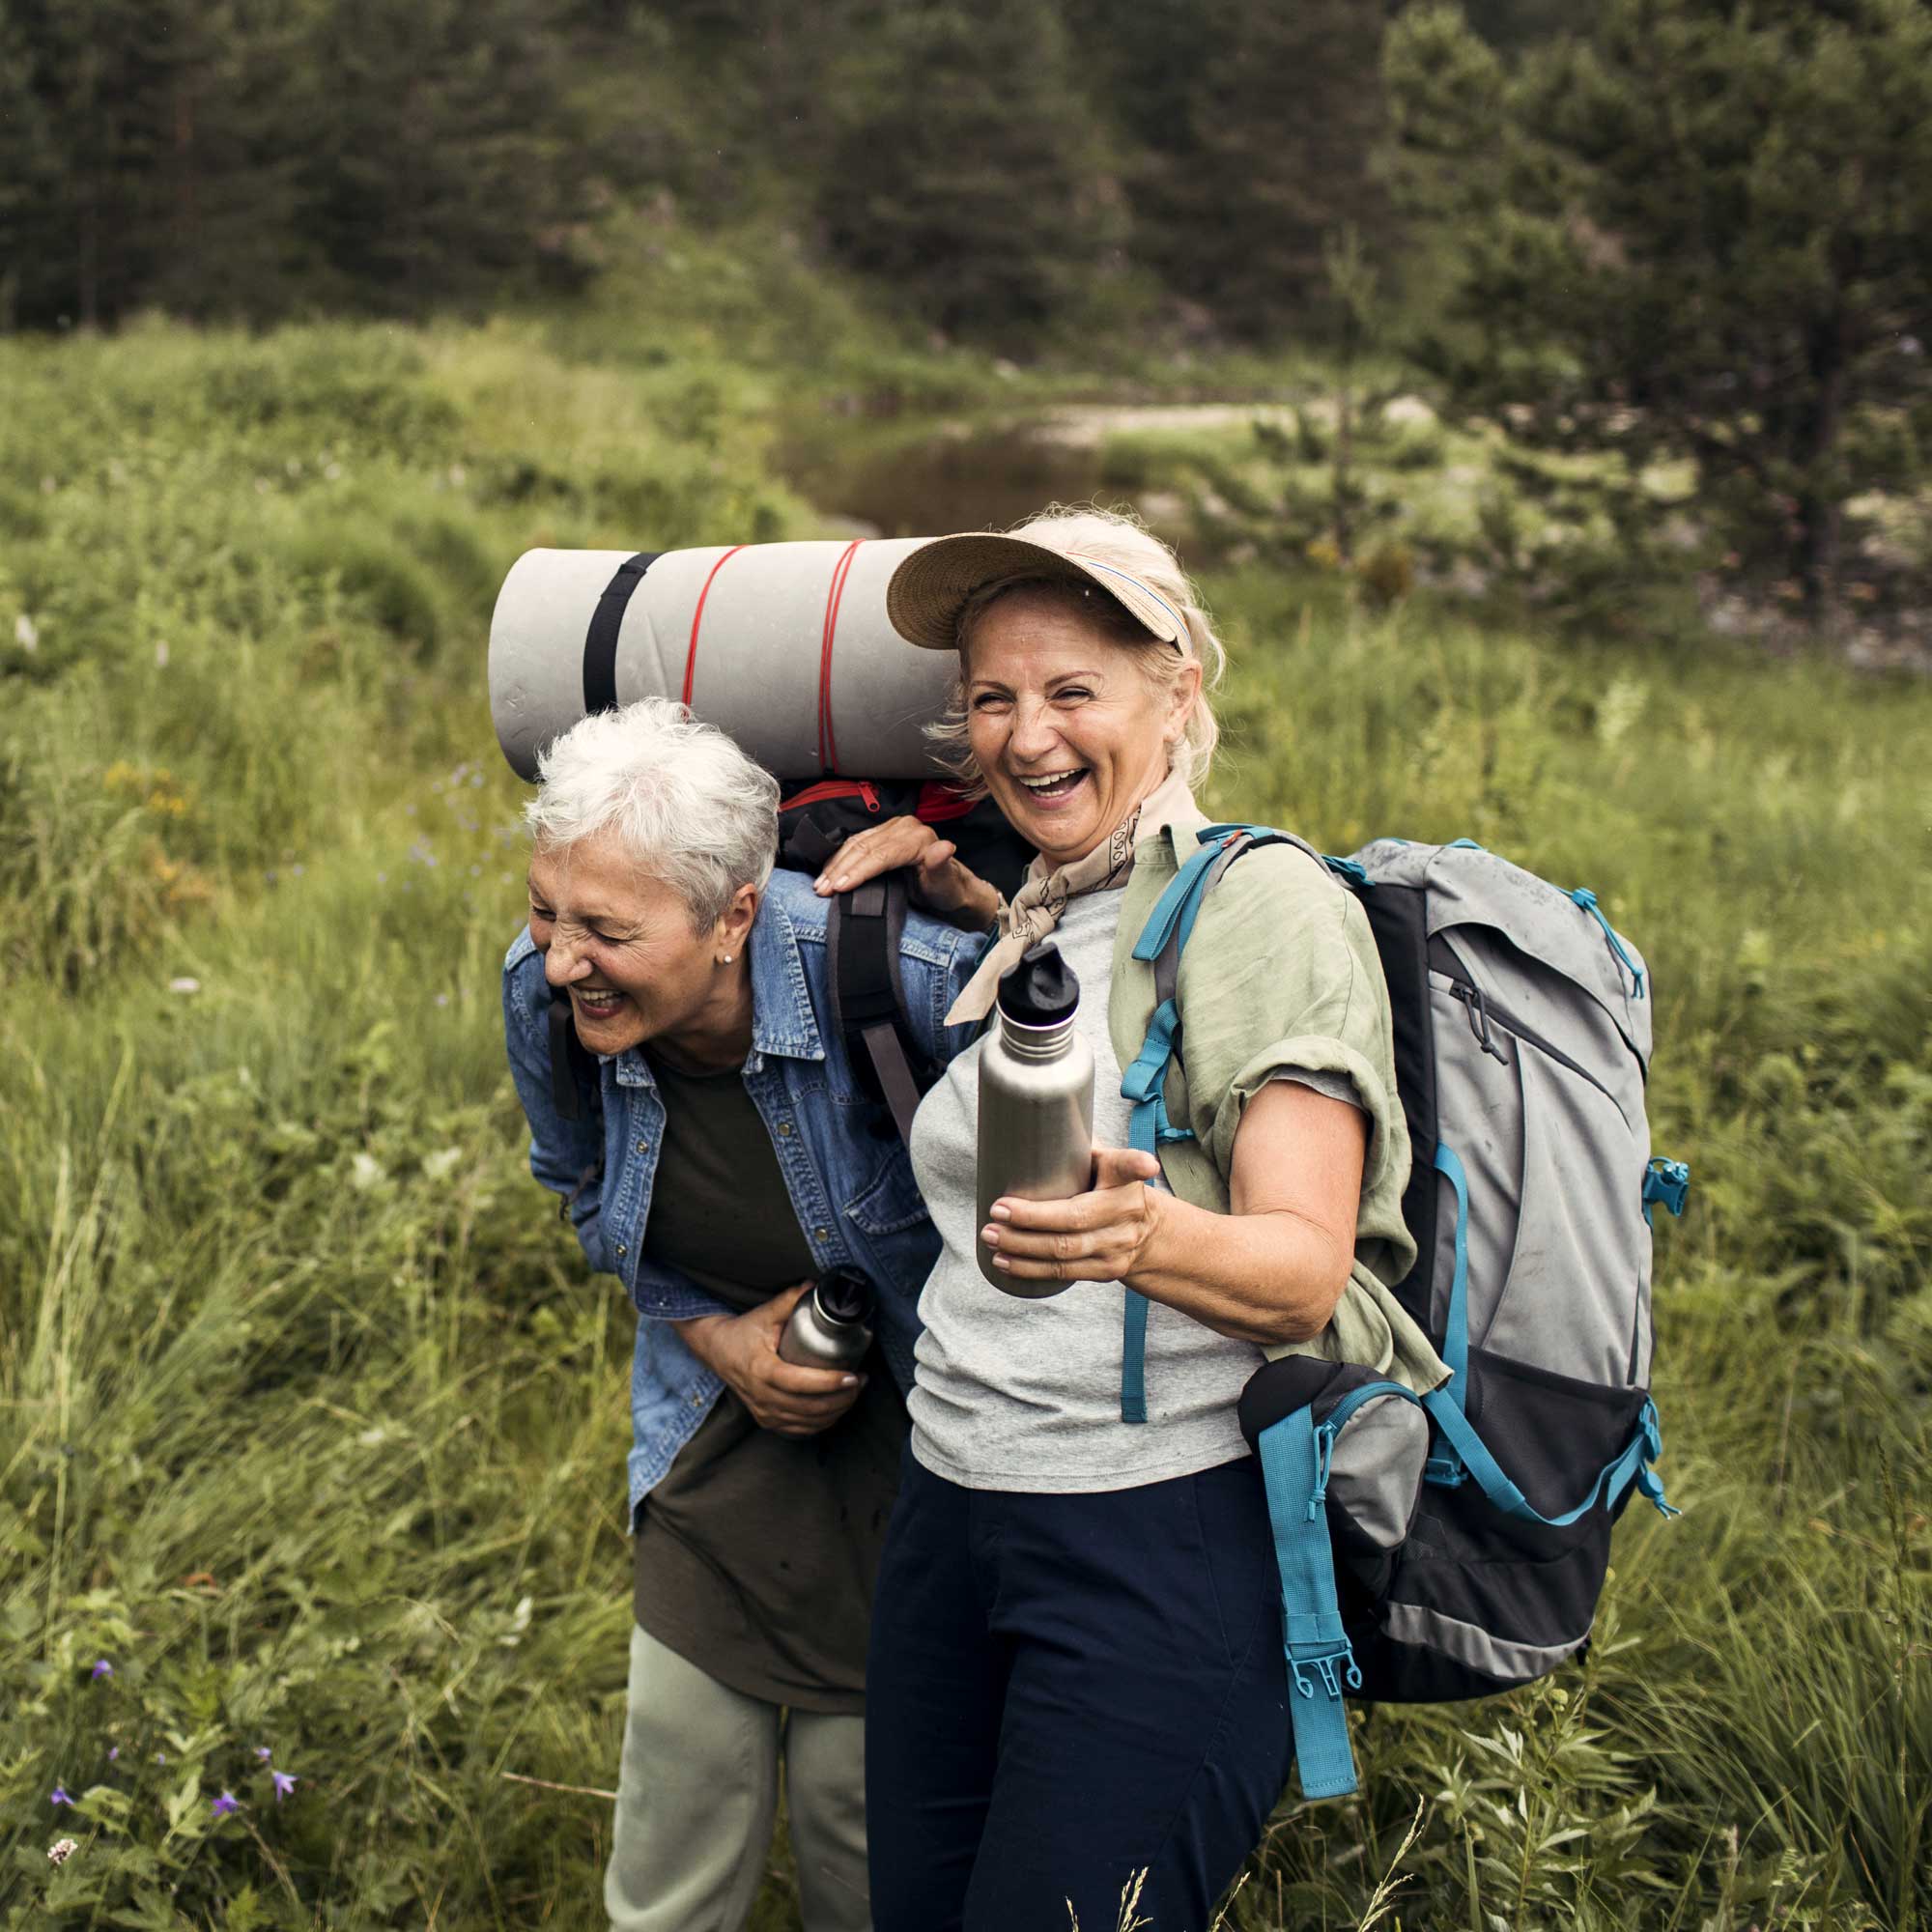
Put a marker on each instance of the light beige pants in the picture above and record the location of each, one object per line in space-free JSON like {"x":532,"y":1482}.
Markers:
{"x":696,"y":1795}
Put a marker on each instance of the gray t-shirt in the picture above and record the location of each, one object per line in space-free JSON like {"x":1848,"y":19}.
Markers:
{"x":1023,"y":1395}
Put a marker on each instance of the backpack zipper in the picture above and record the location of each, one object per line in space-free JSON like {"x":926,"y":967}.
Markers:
{"x":1484,"y":1010}
{"x":817,"y":794}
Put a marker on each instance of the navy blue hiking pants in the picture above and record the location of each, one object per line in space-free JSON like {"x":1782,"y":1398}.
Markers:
{"x":1065,"y":1690}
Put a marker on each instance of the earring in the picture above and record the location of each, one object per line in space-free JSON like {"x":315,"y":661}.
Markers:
{"x":725,"y":961}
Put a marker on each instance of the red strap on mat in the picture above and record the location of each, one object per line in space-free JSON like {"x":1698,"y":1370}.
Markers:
{"x":698,"y":617}
{"x":828,"y":750}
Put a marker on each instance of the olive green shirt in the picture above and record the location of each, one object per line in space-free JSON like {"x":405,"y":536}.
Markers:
{"x":1281,"y":970}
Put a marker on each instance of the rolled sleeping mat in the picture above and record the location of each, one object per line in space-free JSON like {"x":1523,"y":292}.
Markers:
{"x":785,"y":646}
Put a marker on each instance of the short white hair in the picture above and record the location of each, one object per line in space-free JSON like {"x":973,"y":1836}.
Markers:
{"x":686,"y":803}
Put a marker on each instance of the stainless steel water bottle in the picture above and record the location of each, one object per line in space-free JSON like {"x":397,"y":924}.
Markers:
{"x":1036,"y":1100}
{"x":832,"y":1326}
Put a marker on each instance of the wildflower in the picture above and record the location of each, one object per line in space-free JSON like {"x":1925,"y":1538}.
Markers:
{"x":61,"y":1850}
{"x":59,"y":1797}
{"x":263,"y":1753}
{"x":114,"y":1751}
{"x":284,"y":1784}
{"x":160,"y":654}
{"x":25,"y":635}
{"x":225,"y":1804}
{"x":184,"y":985}
{"x":102,"y":1668}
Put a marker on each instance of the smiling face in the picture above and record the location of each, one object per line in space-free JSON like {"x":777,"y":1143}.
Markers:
{"x":622,"y":942}
{"x":1069,"y":730}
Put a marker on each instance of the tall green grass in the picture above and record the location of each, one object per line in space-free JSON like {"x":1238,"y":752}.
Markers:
{"x":312,"y":1425}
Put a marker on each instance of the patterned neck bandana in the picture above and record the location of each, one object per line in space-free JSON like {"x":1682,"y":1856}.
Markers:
{"x":1035,"y":910}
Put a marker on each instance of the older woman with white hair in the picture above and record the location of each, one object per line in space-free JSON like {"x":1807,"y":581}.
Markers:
{"x":715,"y":1151}
{"x":1076,"y":1684}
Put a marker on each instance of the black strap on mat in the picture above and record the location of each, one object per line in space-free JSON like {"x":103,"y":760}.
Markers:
{"x":600,"y":641}
{"x":862,"y":933}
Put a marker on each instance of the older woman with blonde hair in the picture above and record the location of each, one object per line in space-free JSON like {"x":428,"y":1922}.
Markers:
{"x":1076,"y":1679}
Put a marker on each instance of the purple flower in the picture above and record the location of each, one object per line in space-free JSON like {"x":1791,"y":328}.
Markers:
{"x":225,"y":1804}
{"x":102,"y":1668}
{"x":284,"y":1784}
{"x":113,"y":1753}
{"x":263,"y":1753}
{"x":59,"y":1797}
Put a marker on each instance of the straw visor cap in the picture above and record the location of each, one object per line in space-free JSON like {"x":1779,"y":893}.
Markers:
{"x":930,"y":588}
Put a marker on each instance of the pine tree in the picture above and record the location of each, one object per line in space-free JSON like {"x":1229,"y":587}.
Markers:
{"x":80,"y":239}
{"x":1248,"y":131}
{"x":438,"y":162}
{"x":969,"y":175}
{"x":253,"y":157}
{"x":1703,"y":229}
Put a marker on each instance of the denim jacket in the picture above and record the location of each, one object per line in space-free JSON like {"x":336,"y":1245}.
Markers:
{"x":849,"y":1175}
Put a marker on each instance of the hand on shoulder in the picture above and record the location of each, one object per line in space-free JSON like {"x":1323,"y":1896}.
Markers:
{"x":935,"y":878}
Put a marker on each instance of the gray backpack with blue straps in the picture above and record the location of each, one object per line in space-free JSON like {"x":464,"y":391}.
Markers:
{"x":1454,"y":1545}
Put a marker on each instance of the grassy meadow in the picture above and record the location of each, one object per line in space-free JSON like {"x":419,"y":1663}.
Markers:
{"x":312,"y":1422}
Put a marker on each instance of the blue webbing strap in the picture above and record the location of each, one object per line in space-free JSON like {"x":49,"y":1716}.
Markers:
{"x":1644,"y":1445}
{"x":1444,"y":1469}
{"x":1144,"y":1084}
{"x":1133,"y":1357}
{"x":1456,"y":1323}
{"x":1182,"y":893}
{"x":1319,"y":1657}
{"x":1587,"y":900}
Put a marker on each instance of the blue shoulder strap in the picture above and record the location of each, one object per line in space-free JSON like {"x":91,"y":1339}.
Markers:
{"x":1144,"y":1084}
{"x":1319,"y":1657}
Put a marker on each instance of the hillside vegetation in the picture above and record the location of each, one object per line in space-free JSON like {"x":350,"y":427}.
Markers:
{"x":312,"y":1423}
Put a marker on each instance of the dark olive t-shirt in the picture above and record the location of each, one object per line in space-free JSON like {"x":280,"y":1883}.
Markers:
{"x":755,"y":1554}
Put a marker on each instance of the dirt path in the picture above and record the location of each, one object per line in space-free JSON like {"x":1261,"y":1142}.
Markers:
{"x":1087,"y":425}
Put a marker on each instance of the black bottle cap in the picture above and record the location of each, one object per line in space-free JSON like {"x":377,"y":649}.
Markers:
{"x":844,"y":1295}
{"x":1041,"y":990}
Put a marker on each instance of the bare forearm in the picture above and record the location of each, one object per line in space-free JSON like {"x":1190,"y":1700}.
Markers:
{"x":1267,"y":1277}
